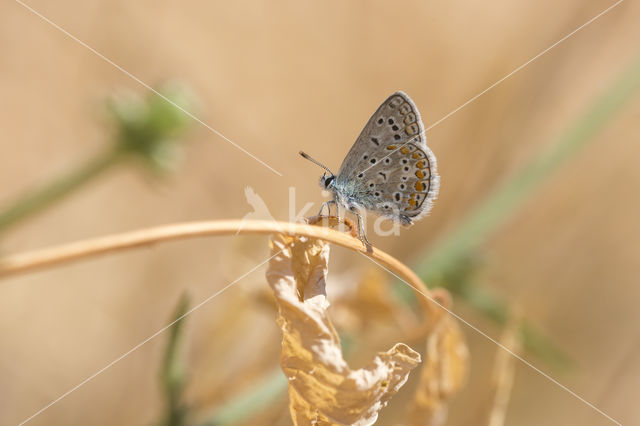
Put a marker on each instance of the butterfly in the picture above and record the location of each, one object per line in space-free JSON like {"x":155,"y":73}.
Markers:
{"x":389,"y":170}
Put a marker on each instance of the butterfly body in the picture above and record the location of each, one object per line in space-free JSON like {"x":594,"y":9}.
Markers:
{"x":389,"y":170}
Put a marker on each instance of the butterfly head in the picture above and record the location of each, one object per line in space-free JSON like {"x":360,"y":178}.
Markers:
{"x":327,"y":181}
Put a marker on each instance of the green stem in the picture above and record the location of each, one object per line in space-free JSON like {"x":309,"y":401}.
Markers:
{"x":465,"y":240}
{"x":246,"y":405}
{"x":36,"y":200}
{"x":173,"y":373}
{"x":534,"y":341}
{"x":505,"y":200}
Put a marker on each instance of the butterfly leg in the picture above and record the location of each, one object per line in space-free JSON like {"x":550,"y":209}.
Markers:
{"x":328,"y":204}
{"x":361,"y":231}
{"x":335,"y":203}
{"x":322,"y":208}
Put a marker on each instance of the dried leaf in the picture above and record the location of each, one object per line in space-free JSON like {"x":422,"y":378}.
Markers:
{"x":371,"y":298}
{"x":443,"y":375}
{"x":323,"y":389}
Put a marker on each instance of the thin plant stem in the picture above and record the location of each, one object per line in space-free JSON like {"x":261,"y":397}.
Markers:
{"x":273,"y":385}
{"x":173,"y":375}
{"x":30,"y":261}
{"x":38,"y":199}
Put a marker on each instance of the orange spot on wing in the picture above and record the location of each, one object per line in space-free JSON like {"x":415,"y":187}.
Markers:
{"x":405,"y":150}
{"x":421,"y":164}
{"x":420,"y":174}
{"x":420,"y":186}
{"x":391,"y":147}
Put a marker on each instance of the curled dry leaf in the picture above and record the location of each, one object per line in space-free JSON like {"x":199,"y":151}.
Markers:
{"x":364,"y":303}
{"x":323,"y":389}
{"x":443,"y":374}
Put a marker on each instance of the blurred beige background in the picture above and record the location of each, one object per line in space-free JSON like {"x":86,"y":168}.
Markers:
{"x":277,"y":77}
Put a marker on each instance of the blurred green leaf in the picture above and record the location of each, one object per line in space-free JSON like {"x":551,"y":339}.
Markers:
{"x":149,"y":128}
{"x":244,"y":406}
{"x":508,"y":197}
{"x":173,"y":376}
{"x":447,"y":264}
{"x":461,"y":283}
{"x":538,"y":344}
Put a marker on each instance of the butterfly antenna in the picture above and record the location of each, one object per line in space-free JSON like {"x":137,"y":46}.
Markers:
{"x":305,"y":155}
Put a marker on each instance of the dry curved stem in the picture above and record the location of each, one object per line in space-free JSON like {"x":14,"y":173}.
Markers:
{"x":333,"y":221}
{"x":45,"y":258}
{"x":400,"y":359}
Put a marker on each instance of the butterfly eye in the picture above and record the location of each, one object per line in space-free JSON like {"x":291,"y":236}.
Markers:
{"x":328,"y":181}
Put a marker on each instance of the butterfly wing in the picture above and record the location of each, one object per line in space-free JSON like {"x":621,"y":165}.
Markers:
{"x":389,"y":169}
